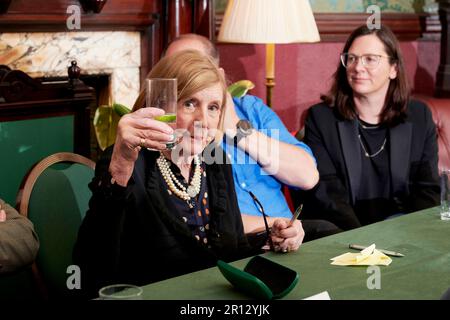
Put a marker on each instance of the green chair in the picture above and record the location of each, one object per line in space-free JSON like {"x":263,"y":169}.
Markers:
{"x":55,"y":196}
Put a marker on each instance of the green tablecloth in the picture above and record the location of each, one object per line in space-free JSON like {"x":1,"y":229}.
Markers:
{"x":424,"y":272}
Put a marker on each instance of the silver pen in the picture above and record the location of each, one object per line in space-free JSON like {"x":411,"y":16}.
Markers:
{"x":295,"y":215}
{"x":387,"y":252}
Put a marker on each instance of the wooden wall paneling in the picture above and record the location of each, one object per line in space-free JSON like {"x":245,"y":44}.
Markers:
{"x":337,"y":27}
{"x":188,"y":16}
{"x":117,"y":15}
{"x":51,"y":16}
{"x":151,"y":49}
{"x":179,"y":19}
{"x":4,"y":5}
{"x":204,"y":18}
{"x":40,"y":118}
{"x":37,"y":7}
{"x":22,"y":97}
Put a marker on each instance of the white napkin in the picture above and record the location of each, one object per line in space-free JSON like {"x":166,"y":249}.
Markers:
{"x":367,"y":257}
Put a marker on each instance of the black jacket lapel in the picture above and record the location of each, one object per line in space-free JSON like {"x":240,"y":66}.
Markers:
{"x":348,"y":133}
{"x":400,"y":150}
{"x":151,"y":194}
{"x":157,"y":194}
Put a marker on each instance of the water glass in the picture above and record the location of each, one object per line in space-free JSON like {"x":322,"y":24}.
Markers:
{"x":162,"y":93}
{"x":120,"y":292}
{"x":445,"y":194}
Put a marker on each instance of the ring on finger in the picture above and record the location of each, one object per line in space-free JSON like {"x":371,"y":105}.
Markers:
{"x":142,"y":143}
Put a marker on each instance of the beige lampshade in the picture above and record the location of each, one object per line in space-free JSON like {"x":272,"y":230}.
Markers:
{"x":268,"y":21}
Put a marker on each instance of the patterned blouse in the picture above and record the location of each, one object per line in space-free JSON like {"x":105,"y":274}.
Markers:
{"x":194,"y":212}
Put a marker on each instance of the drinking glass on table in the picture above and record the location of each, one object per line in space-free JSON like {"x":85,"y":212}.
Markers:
{"x":445,"y":194}
{"x":162,"y":93}
{"x":120,"y":292}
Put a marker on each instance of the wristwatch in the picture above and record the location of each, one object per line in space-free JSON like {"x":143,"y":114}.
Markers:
{"x":244,"y":129}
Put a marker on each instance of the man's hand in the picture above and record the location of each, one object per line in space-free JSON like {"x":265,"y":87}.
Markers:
{"x":231,"y":118}
{"x":287,"y":238}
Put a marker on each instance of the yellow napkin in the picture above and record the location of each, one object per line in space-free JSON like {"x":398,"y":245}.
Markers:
{"x":367,"y":257}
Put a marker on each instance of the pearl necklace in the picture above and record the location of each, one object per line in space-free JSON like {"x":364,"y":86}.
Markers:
{"x":176,"y":186}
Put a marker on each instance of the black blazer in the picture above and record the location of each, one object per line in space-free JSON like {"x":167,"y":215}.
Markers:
{"x":132,"y":235}
{"x":334,"y":142}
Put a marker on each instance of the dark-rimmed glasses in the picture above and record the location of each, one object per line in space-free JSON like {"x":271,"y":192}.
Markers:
{"x":266,"y":225}
{"x":369,"y":61}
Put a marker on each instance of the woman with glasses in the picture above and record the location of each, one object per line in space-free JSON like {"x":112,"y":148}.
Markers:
{"x":375,"y":147}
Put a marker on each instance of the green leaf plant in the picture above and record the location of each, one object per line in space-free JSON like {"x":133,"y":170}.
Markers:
{"x":107,"y":117}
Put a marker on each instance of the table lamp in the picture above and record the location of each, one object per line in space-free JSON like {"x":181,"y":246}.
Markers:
{"x":268,"y":22}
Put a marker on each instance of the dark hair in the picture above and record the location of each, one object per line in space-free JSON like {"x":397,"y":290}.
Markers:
{"x":340,"y":95}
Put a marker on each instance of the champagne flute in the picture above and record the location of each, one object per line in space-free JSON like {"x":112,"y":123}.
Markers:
{"x":162,"y":93}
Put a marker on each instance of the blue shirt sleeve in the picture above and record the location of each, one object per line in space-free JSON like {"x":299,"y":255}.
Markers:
{"x":265,"y":120}
{"x":247,"y":173}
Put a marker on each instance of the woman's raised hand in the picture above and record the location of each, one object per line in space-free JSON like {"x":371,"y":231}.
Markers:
{"x":137,"y":130}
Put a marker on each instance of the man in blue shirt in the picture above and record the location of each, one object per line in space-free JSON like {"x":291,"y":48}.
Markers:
{"x":264,"y":156}
{"x":255,"y":175}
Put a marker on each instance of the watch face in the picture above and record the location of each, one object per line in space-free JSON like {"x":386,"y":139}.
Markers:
{"x":244,"y":125}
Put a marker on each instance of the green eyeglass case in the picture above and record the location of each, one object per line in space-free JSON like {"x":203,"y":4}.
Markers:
{"x":261,"y":278}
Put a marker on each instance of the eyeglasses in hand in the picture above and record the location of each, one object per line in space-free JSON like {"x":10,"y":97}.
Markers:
{"x":266,"y":225}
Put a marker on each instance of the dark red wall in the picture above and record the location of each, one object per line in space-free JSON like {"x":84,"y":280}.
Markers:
{"x":303,"y":71}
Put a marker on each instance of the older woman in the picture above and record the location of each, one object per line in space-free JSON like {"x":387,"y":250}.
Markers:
{"x":160,"y":214}
{"x":375,"y":147}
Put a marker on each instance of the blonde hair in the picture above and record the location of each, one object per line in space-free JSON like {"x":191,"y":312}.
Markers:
{"x":194,"y":72}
